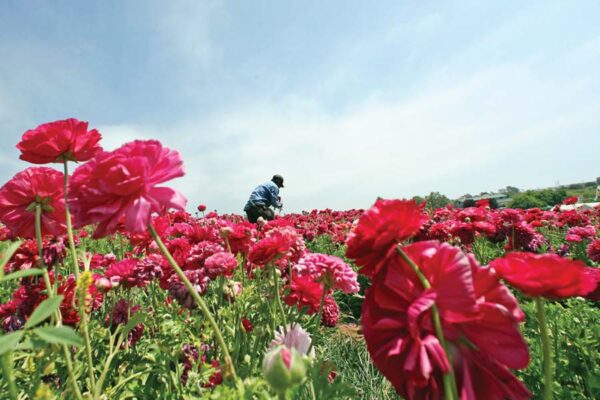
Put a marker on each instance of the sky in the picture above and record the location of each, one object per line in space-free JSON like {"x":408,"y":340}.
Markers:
{"x":347,"y":100}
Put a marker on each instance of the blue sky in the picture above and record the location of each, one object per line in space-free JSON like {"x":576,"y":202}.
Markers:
{"x":347,"y":100}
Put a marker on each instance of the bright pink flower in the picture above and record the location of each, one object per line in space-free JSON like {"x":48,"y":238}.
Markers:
{"x":547,"y":275}
{"x":332,"y":271}
{"x":570,"y":200}
{"x":59,"y":141}
{"x":383,"y":226}
{"x":578,"y":233}
{"x":222,"y":263}
{"x":119,"y":187}
{"x":35,"y":185}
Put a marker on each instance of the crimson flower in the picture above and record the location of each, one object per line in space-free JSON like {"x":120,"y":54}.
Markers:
{"x":202,"y":208}
{"x":119,"y":187}
{"x":593,"y":251}
{"x":305,"y":293}
{"x":383,"y":226}
{"x":269,"y":248}
{"x":59,"y":141}
{"x":546,"y":275}
{"x":331,"y":312}
{"x":35,"y":185}
{"x":479,"y":320}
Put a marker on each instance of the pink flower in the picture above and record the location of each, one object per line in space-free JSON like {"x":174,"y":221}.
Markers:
{"x":59,"y":141}
{"x":18,"y":197}
{"x":331,"y":312}
{"x":330,"y":270}
{"x":123,"y":273}
{"x":593,"y":251}
{"x":119,"y":187}
{"x":221,"y":263}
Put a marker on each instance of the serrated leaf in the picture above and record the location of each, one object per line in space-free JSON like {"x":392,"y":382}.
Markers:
{"x":59,"y":335}
{"x":7,"y":255}
{"x":43,"y":311}
{"x":22,"y":274}
{"x":9,"y":341}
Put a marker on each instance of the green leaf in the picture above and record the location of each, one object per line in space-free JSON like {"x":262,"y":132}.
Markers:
{"x":9,"y":342}
{"x":7,"y":255}
{"x":136,"y":319}
{"x":23,"y":273}
{"x":59,"y":335}
{"x":43,"y":311}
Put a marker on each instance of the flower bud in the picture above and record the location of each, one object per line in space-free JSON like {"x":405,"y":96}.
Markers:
{"x":283,"y":368}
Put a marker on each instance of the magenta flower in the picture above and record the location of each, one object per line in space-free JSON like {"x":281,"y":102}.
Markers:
{"x":120,"y":187}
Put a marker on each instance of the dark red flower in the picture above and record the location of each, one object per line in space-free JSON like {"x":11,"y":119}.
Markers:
{"x":18,"y":197}
{"x":59,"y":141}
{"x":593,"y":251}
{"x":331,"y":312}
{"x":546,"y":275}
{"x":384,"y":225}
{"x":201,"y":208}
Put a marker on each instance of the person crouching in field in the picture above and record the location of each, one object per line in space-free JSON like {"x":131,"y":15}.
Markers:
{"x":262,"y":198}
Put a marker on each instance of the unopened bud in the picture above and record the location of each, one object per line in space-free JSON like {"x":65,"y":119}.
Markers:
{"x":283,"y":368}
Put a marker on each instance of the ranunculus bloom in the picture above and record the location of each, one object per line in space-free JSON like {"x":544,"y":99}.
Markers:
{"x":479,"y":319}
{"x":305,"y":293}
{"x":570,"y":200}
{"x":593,"y":251}
{"x":123,"y":273}
{"x":546,"y":275}
{"x":269,"y":248}
{"x":201,"y":208}
{"x":41,"y":185}
{"x":331,"y":312}
{"x":119,"y":187}
{"x":332,"y":271}
{"x":221,"y":263}
{"x":59,"y":141}
{"x":383,"y":226}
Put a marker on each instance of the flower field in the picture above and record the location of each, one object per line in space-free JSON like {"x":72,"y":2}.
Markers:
{"x":109,"y":289}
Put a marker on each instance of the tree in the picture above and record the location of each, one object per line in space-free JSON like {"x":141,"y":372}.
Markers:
{"x":418,"y":199}
{"x":436,"y":200}
{"x":511,"y":191}
{"x":526,"y":200}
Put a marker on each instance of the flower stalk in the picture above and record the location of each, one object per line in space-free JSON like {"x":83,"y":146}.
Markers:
{"x":50,"y":290}
{"x":69,"y":224}
{"x":548,"y":364}
{"x":228,"y":364}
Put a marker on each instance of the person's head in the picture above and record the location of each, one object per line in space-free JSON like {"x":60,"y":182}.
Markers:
{"x":278,"y":180}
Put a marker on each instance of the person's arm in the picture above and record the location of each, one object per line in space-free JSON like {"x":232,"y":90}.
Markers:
{"x":274,"y":192}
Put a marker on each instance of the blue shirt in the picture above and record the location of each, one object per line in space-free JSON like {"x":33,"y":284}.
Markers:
{"x":267,"y":194}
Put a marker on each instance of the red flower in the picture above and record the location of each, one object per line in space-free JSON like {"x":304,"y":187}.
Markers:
{"x":571,"y":200}
{"x":547,"y":275}
{"x":476,"y":313}
{"x":248,"y":327}
{"x":305,"y":292}
{"x":123,"y":273}
{"x":331,"y":312}
{"x":201,"y":208}
{"x":59,"y":141}
{"x":269,"y":248}
{"x":384,"y":225}
{"x":120,"y":187}
{"x":36,"y":185}
{"x":593,"y":251}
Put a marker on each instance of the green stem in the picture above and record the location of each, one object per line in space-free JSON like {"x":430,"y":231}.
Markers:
{"x":50,"y":290}
{"x":450,"y":390}
{"x":277,"y":297}
{"x":69,"y":224}
{"x":228,"y":364}
{"x":88,"y":348}
{"x":7,"y":371}
{"x":546,"y":349}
